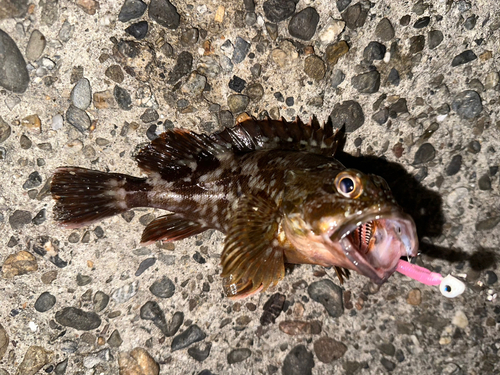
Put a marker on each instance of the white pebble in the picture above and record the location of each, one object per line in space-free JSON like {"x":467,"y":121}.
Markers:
{"x":331,"y":30}
{"x":460,"y":320}
{"x":57,"y":122}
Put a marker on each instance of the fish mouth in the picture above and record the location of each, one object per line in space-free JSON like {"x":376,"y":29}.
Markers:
{"x":374,"y":242}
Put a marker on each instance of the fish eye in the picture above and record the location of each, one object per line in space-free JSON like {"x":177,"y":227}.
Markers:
{"x":348,"y":184}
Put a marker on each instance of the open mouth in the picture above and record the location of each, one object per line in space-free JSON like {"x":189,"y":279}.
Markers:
{"x":374,"y":243}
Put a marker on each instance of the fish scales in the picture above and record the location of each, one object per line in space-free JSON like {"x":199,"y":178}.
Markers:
{"x":273,"y":187}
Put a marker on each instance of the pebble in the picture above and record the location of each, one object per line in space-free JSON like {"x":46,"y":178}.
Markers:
{"x":328,"y":350}
{"x":460,"y":320}
{"x":35,"y":358}
{"x":393,"y":77}
{"x":237,"y":103}
{"x":131,"y":9}
{"x":398,"y":107}
{"x":272,"y":309}
{"x":337,"y":78}
{"x":11,"y":101}
{"x":490,"y":83}
{"x":45,"y":302}
{"x":5,"y":130}
{"x":78,"y":319}
{"x":374,"y":51}
{"x":198,"y":258}
{"x":272,"y":30}
{"x":414,"y":297}
{"x":190,"y":36}
{"x":103,"y":100}
{"x":314,"y":67}
{"x":388,"y":364}
{"x":66,"y":31}
{"x":164,"y":13}
{"x":355,"y":15}
{"x":331,"y":30}
{"x":137,"y":362}
{"x":149,"y":115}
{"x":348,"y":113}
{"x":255,"y":92}
{"x":36,"y":45}
{"x":298,"y":327}
{"x":470,"y":22}
{"x":454,"y":166}
{"x":195,"y":84}
{"x":50,"y":12}
{"x":304,"y":23}
{"x":366,"y":83}
{"x":40,"y":217}
{"x":182,"y":67}
{"x":488,"y":224}
{"x":484,"y":182}
{"x":491,"y":279}
{"x":81,"y":95}
{"x":464,"y":58}
{"x":78,"y":118}
{"x":138,"y":30}
{"x":335,"y":51}
{"x":422,"y":22}
{"x":299,"y":361}
{"x":152,"y":311}
{"x":435,"y":38}
{"x":126,"y":292}
{"x":329,"y":295}
{"x":238,"y":355}
{"x":381,"y":116}
{"x":425,"y":153}
{"x":241,"y":48}
{"x":93,"y":359}
{"x":467,"y":105}
{"x":417,"y":44}
{"x":198,"y":354}
{"x":191,"y":335}
{"x":17,"y":79}
{"x":19,"y":218}
{"x":123,"y":98}
{"x":32,"y":123}
{"x":385,"y":30}
{"x":115,"y":339}
{"x":278,"y":10}
{"x":100,"y":301}
{"x":88,"y":6}
{"x":343,"y":4}
{"x":19,"y":263}
{"x":237,"y":84}
{"x":209,"y":67}
{"x":387,"y":348}
{"x":4,"y":341}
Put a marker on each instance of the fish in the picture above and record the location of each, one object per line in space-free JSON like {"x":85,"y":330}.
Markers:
{"x":274,"y":187}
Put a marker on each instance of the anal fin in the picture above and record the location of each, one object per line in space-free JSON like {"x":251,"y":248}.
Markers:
{"x":253,"y":257}
{"x":170,"y":228}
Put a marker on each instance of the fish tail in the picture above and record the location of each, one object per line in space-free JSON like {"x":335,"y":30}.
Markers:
{"x":84,"y":196}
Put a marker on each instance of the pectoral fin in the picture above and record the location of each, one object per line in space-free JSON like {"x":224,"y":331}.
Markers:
{"x":253,"y":258}
{"x":170,"y":228}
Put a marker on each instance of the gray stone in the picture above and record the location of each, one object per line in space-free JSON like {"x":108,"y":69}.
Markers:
{"x":163,"y":288}
{"x":131,"y":9}
{"x":78,"y":319}
{"x":81,"y":95}
{"x":138,"y":30}
{"x":241,"y":48}
{"x":238,"y":355}
{"x":5,"y":130}
{"x":435,"y":38}
{"x":278,"y":10}
{"x":66,"y":31}
{"x":329,"y":295}
{"x":35,"y":46}
{"x":467,"y":105}
{"x":19,"y":218}
{"x":182,"y":67}
{"x":194,"y":85}
{"x":100,"y":300}
{"x":304,"y":23}
{"x":13,"y":73}
{"x":299,"y":361}
{"x":454,"y":166}
{"x":422,"y":22}
{"x":366,"y":83}
{"x":355,"y":15}
{"x":78,"y":118}
{"x":164,"y":13}
{"x":45,"y":302}
{"x":13,"y":9}
{"x":191,"y":335}
{"x":237,"y":103}
{"x":50,"y":11}
{"x":464,"y":58}
{"x":424,"y":154}
{"x":34,"y":180}
{"x":349,"y":113}
{"x":384,"y":30}
{"x":337,"y":78}
{"x":123,"y":98}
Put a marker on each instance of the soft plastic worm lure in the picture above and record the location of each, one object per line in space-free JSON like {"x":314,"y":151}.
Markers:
{"x":449,"y":286}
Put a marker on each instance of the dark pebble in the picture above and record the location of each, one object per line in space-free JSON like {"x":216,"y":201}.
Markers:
{"x":393,"y":77}
{"x":175,"y":324}
{"x":491,"y":278}
{"x":384,"y":30}
{"x":464,"y":58}
{"x":115,"y":73}
{"x":454,"y":166}
{"x":422,"y":22}
{"x":238,"y":355}
{"x":99,"y":232}
{"x":405,"y":20}
{"x":131,"y":9}
{"x":199,"y":354}
{"x":151,"y":132}
{"x":387,"y":348}
{"x":289,"y":101}
{"x":249,"y":5}
{"x":34,"y":180}
{"x":123,"y":98}
{"x":145,"y":264}
{"x":237,"y":84}
{"x":226,"y":119}
{"x":329,"y":295}
{"x":5,"y":130}
{"x":355,"y":16}
{"x":417,"y":44}
{"x":303,"y":24}
{"x":78,"y":319}
{"x":381,"y":116}
{"x":82,"y":280}
{"x":237,"y":103}
{"x":484,"y":182}
{"x":188,"y":337}
{"x":19,"y":218}
{"x":366,"y":83}
{"x":467,"y":104}
{"x":241,"y":48}
{"x":198,"y":258}
{"x":272,"y":309}
{"x":400,"y":356}
{"x":424,"y":154}
{"x":45,"y":302}
{"x":299,"y":361}
{"x":164,"y":13}
{"x":78,"y":118}
{"x":153,"y":312}
{"x":470,"y":22}
{"x":190,"y":36}
{"x":255,"y":91}
{"x":328,"y":349}
{"x":256,"y":69}
{"x":3,"y":153}
{"x":14,"y":75}
{"x":115,"y":339}
{"x":182,"y":67}
{"x":205,"y":372}
{"x":40,"y":217}
{"x":100,"y":301}
{"x":374,"y":51}
{"x":279,"y":97}
{"x":398,"y":107}
{"x":389,"y":365}
{"x":337,"y":78}
{"x":435,"y":38}
{"x":314,"y":67}
{"x":272,"y":30}
{"x":138,"y":30}
{"x":488,"y":224}
{"x":343,"y":4}
{"x":278,"y":10}
{"x":349,"y":113}
{"x":150,"y":115}
{"x":474,"y":147}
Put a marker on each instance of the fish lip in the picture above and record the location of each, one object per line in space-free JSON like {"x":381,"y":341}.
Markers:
{"x":340,"y":235}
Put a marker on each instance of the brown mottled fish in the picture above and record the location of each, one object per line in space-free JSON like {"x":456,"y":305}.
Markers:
{"x":274,"y":187}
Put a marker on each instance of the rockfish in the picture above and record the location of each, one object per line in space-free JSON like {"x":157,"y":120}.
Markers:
{"x":273,"y":187}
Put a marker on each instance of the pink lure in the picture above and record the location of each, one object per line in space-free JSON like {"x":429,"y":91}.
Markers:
{"x":418,"y":273}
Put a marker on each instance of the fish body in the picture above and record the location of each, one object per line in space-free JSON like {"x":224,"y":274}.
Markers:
{"x":273,"y":187}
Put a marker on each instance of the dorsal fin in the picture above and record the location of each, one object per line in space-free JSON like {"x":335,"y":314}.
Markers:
{"x":179,"y":153}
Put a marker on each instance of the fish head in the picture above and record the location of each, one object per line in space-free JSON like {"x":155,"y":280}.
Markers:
{"x":352,"y":221}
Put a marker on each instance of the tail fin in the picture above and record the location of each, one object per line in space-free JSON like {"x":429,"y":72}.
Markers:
{"x":84,"y":196}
